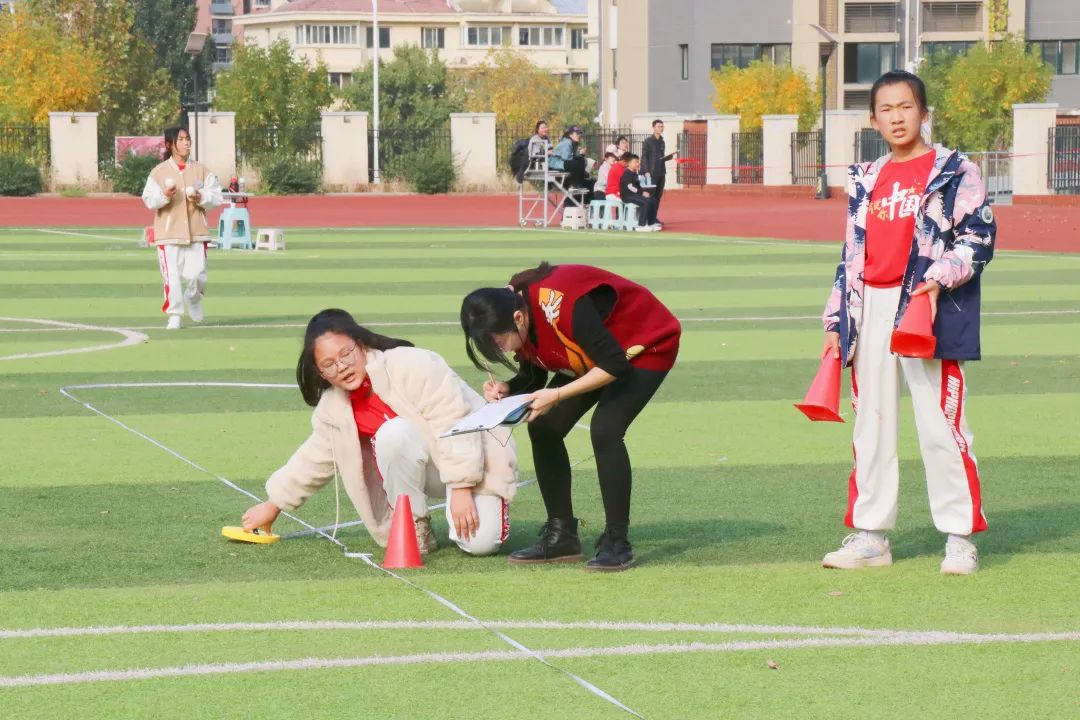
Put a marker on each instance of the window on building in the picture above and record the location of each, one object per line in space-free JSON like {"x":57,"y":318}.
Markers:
{"x":856,"y":99}
{"x":484,"y":36}
{"x":1061,"y":55}
{"x":433,"y":38}
{"x":684,"y":62}
{"x":219,"y":26}
{"x":871,"y":17}
{"x":742,"y":55}
{"x":340,"y":79}
{"x":581,"y":78}
{"x":866,"y":62}
{"x":327,"y":35}
{"x":384,"y":37}
{"x":960,"y":47}
{"x":540,"y":36}
{"x":223,"y":54}
{"x":262,"y":3}
{"x":577,"y":38}
{"x":952,"y":16}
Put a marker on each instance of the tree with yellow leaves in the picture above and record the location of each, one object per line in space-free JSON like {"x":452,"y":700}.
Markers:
{"x":520,"y":93}
{"x":44,"y":69}
{"x":763,"y":88}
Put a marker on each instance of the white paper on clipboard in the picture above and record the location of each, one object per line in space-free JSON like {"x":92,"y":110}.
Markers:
{"x":508,"y":411}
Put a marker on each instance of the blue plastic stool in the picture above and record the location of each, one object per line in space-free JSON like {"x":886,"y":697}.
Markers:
{"x":628,"y":219}
{"x":234,"y":229}
{"x":601,"y":216}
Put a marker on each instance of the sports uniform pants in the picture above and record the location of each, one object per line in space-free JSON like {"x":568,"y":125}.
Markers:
{"x":938,"y":394}
{"x":406,"y":468}
{"x":183,"y":270}
{"x":617,"y":404}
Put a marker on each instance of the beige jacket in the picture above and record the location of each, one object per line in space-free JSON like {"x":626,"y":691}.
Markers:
{"x":176,"y":221}
{"x":417,"y":385}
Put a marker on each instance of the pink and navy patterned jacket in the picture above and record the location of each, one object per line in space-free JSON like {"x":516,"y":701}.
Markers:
{"x":953,"y":242}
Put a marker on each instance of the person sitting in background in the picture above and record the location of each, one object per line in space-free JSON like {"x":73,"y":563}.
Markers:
{"x":614,"y":178}
{"x":539,"y":143}
{"x":567,"y":157}
{"x":600,"y":188}
{"x":631,"y":193}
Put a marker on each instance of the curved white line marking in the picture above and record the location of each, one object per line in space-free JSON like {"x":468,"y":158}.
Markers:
{"x":131,"y":337}
{"x":907,"y":639}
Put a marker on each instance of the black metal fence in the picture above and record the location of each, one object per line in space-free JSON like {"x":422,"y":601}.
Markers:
{"x":397,"y":147}
{"x":747,"y":155}
{"x":869,"y":145}
{"x":693,"y":158}
{"x":1063,"y":159}
{"x":805,"y":157}
{"x":26,"y":142}
{"x":256,"y":146}
{"x":996,"y":167}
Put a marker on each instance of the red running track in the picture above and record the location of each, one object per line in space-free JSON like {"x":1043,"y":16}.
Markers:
{"x":1020,"y":227}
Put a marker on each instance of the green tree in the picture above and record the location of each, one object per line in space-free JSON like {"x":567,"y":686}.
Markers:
{"x":165,"y":25}
{"x":269,"y":88}
{"x":520,"y":93}
{"x":134,"y":95}
{"x":277,"y":100}
{"x":972,"y":95}
{"x":763,"y":88}
{"x":416,"y":90}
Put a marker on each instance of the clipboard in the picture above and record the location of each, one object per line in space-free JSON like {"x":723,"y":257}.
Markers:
{"x":508,"y":411}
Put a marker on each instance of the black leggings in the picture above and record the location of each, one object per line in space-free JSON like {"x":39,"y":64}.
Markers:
{"x":617,"y":405}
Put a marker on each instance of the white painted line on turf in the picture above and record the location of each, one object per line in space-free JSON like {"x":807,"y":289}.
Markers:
{"x":911,"y":639}
{"x":602,"y":694}
{"x":65,"y":392}
{"x":131,"y":337}
{"x":131,"y":239}
{"x":729,"y":318}
{"x":319,"y":625}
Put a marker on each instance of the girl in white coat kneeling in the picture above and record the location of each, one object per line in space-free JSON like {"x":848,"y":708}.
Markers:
{"x":381,"y":406}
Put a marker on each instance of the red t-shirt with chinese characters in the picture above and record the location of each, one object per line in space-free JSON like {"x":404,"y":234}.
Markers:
{"x":890,"y":219}
{"x":369,"y":410}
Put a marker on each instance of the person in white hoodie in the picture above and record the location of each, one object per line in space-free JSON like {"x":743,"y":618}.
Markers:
{"x":180,"y":191}
{"x":381,"y":407}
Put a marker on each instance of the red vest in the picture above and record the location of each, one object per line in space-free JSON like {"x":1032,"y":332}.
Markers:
{"x":641,"y":324}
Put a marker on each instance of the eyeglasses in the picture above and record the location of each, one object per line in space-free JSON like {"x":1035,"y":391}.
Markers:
{"x":331,"y":369}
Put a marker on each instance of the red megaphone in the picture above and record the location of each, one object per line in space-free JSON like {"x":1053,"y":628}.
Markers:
{"x":915,"y":335}
{"x":822,"y":401}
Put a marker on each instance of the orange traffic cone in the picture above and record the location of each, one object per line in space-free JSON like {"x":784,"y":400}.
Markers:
{"x":915,"y":335}
{"x":822,"y":401}
{"x":402,"y":550}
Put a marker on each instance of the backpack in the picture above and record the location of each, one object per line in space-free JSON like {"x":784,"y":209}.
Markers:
{"x":519,"y":158}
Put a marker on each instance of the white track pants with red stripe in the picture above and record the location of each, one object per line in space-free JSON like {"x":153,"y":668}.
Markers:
{"x":183,"y":272}
{"x":938,"y":394}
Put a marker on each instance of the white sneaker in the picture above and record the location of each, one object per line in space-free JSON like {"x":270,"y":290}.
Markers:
{"x":961,"y":557}
{"x":657,"y":227}
{"x":174,"y":323}
{"x":645,"y":228}
{"x":195,"y":310}
{"x":425,"y":536}
{"x":859,"y":551}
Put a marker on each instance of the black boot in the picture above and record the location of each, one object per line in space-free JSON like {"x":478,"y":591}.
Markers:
{"x":559,"y":542}
{"x":613,"y":553}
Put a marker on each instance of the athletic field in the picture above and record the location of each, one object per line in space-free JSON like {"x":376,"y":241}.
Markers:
{"x":126,"y":448}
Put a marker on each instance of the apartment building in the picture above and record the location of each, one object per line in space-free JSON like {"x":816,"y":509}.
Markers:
{"x":657,"y":55}
{"x":551,"y":33}
{"x":1054,"y":27}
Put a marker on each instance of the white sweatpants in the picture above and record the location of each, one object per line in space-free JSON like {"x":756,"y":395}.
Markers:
{"x":406,"y":468}
{"x":183,"y":271}
{"x":938,"y":394}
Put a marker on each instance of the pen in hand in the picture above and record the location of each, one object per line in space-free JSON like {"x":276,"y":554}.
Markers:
{"x":494,"y":386}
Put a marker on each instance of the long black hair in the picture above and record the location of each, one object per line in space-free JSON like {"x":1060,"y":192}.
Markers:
{"x":171,"y":135}
{"x":308,"y":379}
{"x":491,"y":310}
